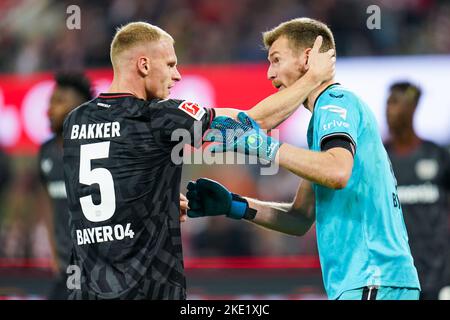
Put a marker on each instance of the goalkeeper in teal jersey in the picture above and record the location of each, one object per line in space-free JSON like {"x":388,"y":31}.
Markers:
{"x":348,"y":187}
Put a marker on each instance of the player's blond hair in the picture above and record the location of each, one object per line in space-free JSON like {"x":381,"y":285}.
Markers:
{"x":133,"y":34}
{"x":301,"y":33}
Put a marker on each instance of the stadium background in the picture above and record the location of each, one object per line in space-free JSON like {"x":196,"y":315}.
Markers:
{"x":219,"y":51}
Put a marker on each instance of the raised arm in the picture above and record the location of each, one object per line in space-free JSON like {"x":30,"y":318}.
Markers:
{"x":331,"y":168}
{"x":276,"y":108}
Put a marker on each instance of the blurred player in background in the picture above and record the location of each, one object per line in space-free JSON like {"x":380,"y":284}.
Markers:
{"x":122,"y":184}
{"x":349,"y":189}
{"x":422,"y":169}
{"x":71,"y":90}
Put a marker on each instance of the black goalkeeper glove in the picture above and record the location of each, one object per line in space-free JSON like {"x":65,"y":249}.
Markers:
{"x":210,"y":198}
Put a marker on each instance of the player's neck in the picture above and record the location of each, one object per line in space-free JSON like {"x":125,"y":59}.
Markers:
{"x":309,"y":103}
{"x":405,"y":142}
{"x":125,"y":85}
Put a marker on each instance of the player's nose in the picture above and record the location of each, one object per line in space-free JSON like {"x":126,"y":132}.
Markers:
{"x":271,"y":74}
{"x":176,"y":76}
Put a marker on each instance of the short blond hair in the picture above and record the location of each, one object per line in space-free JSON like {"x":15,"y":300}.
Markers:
{"x":301,"y":33}
{"x":133,"y":34}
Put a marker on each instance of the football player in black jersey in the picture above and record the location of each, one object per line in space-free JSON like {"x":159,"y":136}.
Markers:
{"x":422,"y":169}
{"x":122,"y":184}
{"x":71,"y":90}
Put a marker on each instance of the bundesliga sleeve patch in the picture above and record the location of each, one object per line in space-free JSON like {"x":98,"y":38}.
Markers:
{"x":192,"y":109}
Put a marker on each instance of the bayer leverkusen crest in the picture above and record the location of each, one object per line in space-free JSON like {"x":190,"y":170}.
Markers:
{"x":192,"y":109}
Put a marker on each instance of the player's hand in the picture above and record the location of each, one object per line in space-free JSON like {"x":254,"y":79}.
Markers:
{"x":183,"y":207}
{"x":321,"y":66}
{"x":243,"y":136}
{"x":210,"y":198}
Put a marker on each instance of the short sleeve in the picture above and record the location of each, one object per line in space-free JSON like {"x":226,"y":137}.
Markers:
{"x":337,"y":115}
{"x":174,"y":120}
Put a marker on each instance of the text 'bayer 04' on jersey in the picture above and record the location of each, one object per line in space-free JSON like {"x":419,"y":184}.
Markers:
{"x":123,"y":194}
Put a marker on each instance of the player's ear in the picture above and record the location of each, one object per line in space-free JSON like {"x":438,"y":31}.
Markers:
{"x":305,"y":59}
{"x":143,"y":65}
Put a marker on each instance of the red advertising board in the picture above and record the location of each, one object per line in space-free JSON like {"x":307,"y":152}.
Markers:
{"x":24,"y":98}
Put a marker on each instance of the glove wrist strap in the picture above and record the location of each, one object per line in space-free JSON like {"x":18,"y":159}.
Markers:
{"x":240,"y":208}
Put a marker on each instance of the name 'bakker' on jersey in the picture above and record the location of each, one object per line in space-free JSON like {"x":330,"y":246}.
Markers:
{"x":123,"y":194}
{"x":95,"y":130}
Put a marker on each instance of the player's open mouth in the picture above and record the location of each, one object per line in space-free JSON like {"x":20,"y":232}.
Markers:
{"x":277,"y":85}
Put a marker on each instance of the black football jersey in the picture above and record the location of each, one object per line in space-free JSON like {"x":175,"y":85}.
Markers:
{"x":123,"y":184}
{"x":423,"y":179}
{"x":50,"y":161}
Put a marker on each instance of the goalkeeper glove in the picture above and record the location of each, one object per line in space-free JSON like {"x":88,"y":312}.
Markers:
{"x":210,"y":198}
{"x":243,"y":136}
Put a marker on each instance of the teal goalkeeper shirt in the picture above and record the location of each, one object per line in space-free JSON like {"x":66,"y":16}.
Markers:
{"x":361,"y":236}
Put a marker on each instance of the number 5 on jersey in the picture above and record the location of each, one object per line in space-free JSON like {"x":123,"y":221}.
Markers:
{"x":101,"y":176}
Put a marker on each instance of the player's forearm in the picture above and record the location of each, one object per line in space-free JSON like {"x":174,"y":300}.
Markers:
{"x":229,"y":112}
{"x":277,"y":107}
{"x":323,"y":168}
{"x":280,"y":217}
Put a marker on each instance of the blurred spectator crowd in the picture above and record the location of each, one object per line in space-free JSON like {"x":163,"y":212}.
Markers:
{"x":37,"y":38}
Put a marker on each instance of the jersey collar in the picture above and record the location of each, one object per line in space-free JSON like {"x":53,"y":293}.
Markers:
{"x":115,"y":95}
{"x":320,"y":94}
